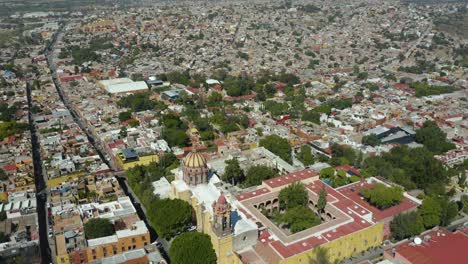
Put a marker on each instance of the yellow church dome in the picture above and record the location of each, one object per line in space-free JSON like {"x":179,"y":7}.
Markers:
{"x":194,"y":160}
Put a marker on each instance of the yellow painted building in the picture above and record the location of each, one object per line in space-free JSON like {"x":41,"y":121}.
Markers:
{"x":338,"y":249}
{"x":223,"y":246}
{"x":118,"y":246}
{"x":135,"y":237}
{"x":200,"y":195}
{"x":346,"y":246}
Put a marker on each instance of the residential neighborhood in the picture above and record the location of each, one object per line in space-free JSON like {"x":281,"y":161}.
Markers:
{"x":234,"y":132}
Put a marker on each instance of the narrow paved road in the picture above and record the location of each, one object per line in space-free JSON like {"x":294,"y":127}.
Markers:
{"x":94,"y":141}
{"x":41,"y":187}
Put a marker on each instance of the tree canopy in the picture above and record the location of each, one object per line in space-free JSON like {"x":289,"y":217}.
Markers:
{"x":278,"y":146}
{"x":298,"y":218}
{"x":170,"y":216}
{"x":258,"y":173}
{"x":435,"y":210}
{"x":12,"y":127}
{"x":293,"y":195}
{"x":233,"y":172}
{"x":322,"y":200}
{"x":123,"y":116}
{"x":335,"y":178}
{"x":371,"y":140}
{"x":430,"y":212}
{"x":342,"y":155}
{"x":327,"y":172}
{"x":424,"y":89}
{"x":305,"y":155}
{"x":3,"y":175}
{"x":140,"y":102}
{"x":382,"y":196}
{"x":98,"y":227}
{"x":433,"y":138}
{"x":192,"y":248}
{"x":166,"y":216}
{"x":238,"y":86}
{"x":276,"y":108}
{"x":176,"y":137}
{"x":408,"y":167}
{"x":464,"y":202}
{"x":311,"y":116}
{"x":7,"y":113}
{"x":406,"y":225}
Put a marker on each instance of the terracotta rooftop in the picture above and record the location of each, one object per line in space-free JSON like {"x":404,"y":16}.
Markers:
{"x":351,"y":211}
{"x":352,"y":192}
{"x":251,"y":194}
{"x":289,"y":178}
{"x":437,"y":247}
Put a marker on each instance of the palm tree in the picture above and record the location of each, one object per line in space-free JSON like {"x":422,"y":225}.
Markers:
{"x":321,"y":256}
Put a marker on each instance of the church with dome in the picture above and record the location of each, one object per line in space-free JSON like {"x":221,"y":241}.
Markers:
{"x":214,"y":208}
{"x":195,"y":169}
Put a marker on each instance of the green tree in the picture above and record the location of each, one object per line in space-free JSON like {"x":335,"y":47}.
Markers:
{"x":322,"y":200}
{"x":305,"y":155}
{"x":11,"y":127}
{"x":269,"y":90}
{"x":278,"y":146}
{"x":124,"y":116}
{"x":207,"y":135}
{"x":293,"y":195}
{"x":123,"y":132}
{"x":170,"y":120}
{"x":371,"y":140}
{"x":192,"y":248}
{"x":3,"y":175}
{"x":233,"y":172}
{"x":140,"y":102}
{"x":449,"y":210}
{"x":406,"y":225}
{"x":382,"y":196}
{"x":323,"y":108}
{"x":327,"y":173}
{"x":342,"y":155}
{"x":311,"y":116}
{"x":298,"y":218}
{"x":464,"y":201}
{"x":276,"y":108}
{"x":362,"y":75}
{"x":3,"y":216}
{"x":258,"y":173}
{"x":433,"y":138}
{"x":430,"y":212}
{"x":215,"y":98}
{"x":169,"y":216}
{"x":320,"y":256}
{"x":340,"y":179}
{"x":175,"y":137}
{"x":411,"y":168}
{"x":98,"y":227}
{"x":134,"y":123}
